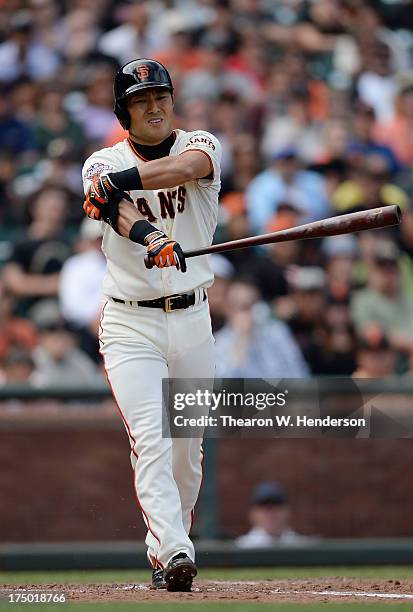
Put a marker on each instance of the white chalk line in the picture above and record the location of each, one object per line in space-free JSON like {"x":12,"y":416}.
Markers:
{"x":324,"y":593}
{"x":350,"y":594}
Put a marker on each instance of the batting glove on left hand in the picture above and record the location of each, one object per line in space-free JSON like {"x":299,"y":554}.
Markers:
{"x":164,"y":252}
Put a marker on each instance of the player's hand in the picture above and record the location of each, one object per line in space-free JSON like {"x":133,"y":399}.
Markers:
{"x":94,"y":203}
{"x":99,"y":194}
{"x":97,"y":207}
{"x":164,"y":252}
{"x":104,"y":187}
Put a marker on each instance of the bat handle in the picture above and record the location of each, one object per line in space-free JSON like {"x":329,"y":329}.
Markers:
{"x":148,"y":262}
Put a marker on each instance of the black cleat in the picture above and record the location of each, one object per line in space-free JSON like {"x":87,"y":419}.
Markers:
{"x":179,"y":573}
{"x":158,"y":581}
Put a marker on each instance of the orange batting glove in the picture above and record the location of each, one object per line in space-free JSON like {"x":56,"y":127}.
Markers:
{"x":98,"y":195}
{"x":164,"y":252}
{"x":94,"y":203}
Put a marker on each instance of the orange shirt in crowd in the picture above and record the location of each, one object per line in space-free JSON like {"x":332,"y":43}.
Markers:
{"x":187,"y":60}
{"x":19,"y":332}
{"x":398,"y":135}
{"x":115,"y":135}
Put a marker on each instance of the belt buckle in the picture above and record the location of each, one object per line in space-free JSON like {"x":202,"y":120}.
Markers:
{"x":168,"y":304}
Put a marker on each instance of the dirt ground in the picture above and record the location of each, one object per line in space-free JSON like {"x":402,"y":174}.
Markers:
{"x":311,"y":590}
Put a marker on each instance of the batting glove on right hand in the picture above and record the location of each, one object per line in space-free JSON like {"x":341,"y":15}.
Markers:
{"x":94,"y":203}
{"x":101,"y":193}
{"x":164,"y":252}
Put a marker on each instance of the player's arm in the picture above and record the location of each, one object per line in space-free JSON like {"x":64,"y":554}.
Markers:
{"x":161,"y":251}
{"x":160,"y":173}
{"x":186,"y":167}
{"x":120,"y":213}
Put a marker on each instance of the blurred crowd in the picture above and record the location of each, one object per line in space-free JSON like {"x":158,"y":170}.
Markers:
{"x":312,"y":101}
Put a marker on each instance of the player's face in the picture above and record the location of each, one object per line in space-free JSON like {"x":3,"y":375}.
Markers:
{"x":151,"y":113}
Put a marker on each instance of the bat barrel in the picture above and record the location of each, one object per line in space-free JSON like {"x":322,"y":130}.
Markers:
{"x":384,"y":216}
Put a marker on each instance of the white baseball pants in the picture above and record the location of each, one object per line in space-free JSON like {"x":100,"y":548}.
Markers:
{"x":141,"y":346}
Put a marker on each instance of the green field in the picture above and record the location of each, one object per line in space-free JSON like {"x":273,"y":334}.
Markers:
{"x":130,"y":576}
{"x":383,"y":572}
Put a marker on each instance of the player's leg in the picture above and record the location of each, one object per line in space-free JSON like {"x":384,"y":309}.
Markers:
{"x":192,"y":360}
{"x":135,"y":370}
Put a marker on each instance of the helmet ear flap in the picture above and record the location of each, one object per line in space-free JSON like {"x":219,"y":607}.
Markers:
{"x":122,"y":115}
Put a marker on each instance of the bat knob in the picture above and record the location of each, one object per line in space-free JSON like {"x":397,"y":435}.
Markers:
{"x":148,"y":262}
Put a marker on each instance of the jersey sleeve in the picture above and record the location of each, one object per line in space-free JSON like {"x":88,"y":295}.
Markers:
{"x":210,"y":145}
{"x":101,"y":162}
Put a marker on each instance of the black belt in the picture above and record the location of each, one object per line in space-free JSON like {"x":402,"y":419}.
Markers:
{"x":168,"y":303}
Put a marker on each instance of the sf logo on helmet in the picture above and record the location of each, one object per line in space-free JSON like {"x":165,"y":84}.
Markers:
{"x":142,"y":72}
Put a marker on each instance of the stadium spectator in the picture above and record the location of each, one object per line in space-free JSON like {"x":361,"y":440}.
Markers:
{"x":303,"y":309}
{"x":377,"y":85}
{"x":53,"y":123}
{"x":32,"y":271}
{"x":80,"y":286}
{"x":369,"y":186}
{"x":364,"y":138}
{"x":340,"y":254}
{"x":375,"y":355}
{"x":264,"y":266}
{"x":57,"y":358}
{"x":18,"y":368}
{"x":270,"y":264}
{"x":245,"y":162}
{"x":217,"y":293}
{"x":213,"y":78}
{"x":385,"y":301}
{"x":270,"y":518}
{"x":139,"y":35}
{"x":22,"y":54}
{"x":251,"y":345}
{"x":16,"y":136}
{"x":95,"y":115}
{"x":15,"y":332}
{"x":179,"y":53}
{"x":396,"y":131}
{"x":78,"y":34}
{"x":405,"y":239}
{"x":285,"y":181}
{"x":337,"y":356}
{"x":7,"y":197}
{"x":24,"y":99}
{"x":292,"y":128}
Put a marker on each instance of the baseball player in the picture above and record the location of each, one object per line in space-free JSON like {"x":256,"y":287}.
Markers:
{"x":156,"y":190}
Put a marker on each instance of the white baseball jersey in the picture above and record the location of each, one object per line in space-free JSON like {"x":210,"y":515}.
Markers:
{"x":186,"y":213}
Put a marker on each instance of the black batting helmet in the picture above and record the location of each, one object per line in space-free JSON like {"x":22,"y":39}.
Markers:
{"x":135,"y":76}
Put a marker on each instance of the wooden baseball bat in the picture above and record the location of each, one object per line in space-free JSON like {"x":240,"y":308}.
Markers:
{"x":374,"y":218}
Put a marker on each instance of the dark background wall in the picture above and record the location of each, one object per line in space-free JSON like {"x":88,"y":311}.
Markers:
{"x":71,"y":479}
